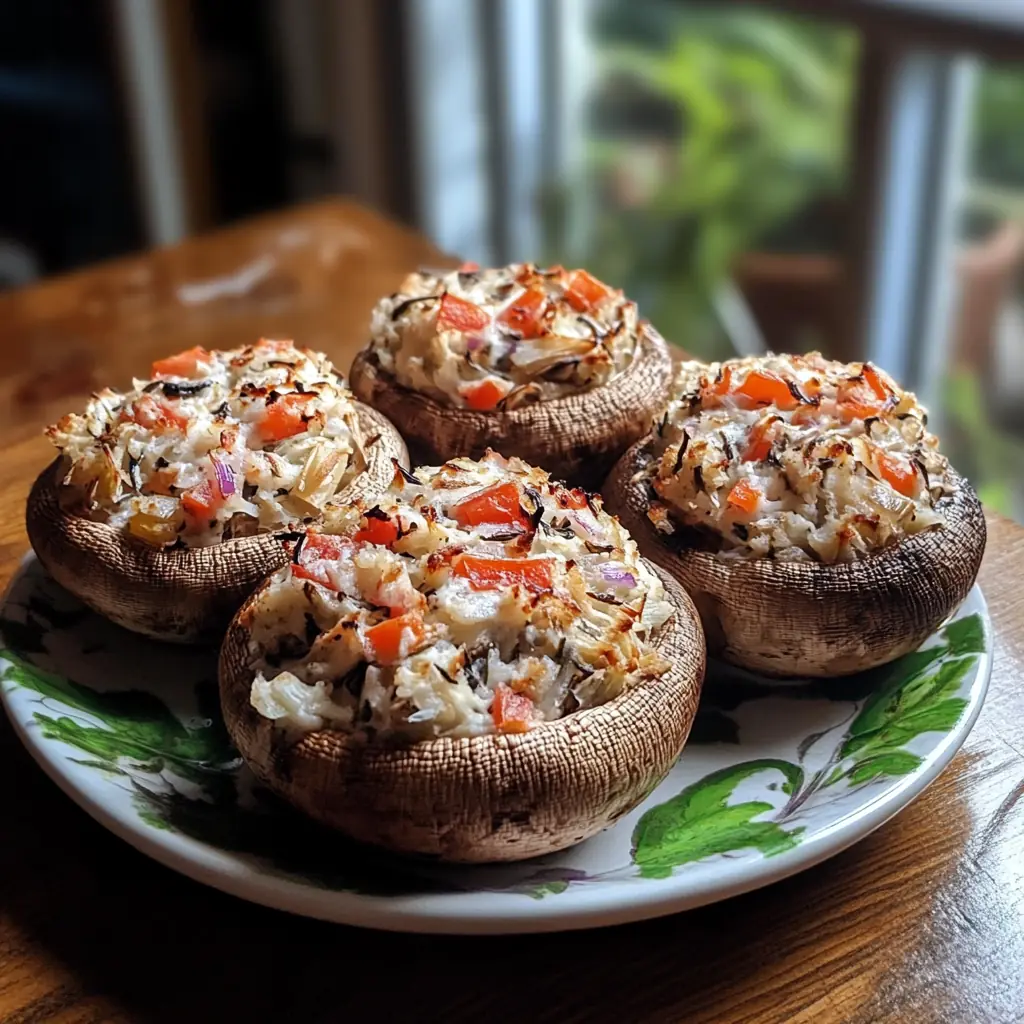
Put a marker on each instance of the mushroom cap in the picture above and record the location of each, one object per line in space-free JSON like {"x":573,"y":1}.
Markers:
{"x":802,"y":619}
{"x":576,"y":438}
{"x":185,"y":595}
{"x":486,"y":798}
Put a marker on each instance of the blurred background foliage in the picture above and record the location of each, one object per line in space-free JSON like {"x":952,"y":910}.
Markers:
{"x":716,"y":132}
{"x":711,"y":133}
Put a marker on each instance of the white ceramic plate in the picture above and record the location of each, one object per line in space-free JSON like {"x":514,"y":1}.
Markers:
{"x":772,"y":781}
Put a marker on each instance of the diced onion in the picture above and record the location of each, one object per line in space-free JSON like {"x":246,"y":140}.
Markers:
{"x":539,"y":353}
{"x":617,"y":574}
{"x":225,"y":477}
{"x":321,"y":475}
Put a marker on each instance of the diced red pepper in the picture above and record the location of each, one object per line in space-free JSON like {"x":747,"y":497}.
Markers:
{"x":192,"y":363}
{"x":762,"y":387}
{"x":758,"y":388}
{"x":152,"y":412}
{"x":899,"y":474}
{"x":317,"y":552}
{"x":378,"y":531}
{"x":469,"y":267}
{"x":759,"y":442}
{"x":511,"y":711}
{"x":314,"y":571}
{"x":534,"y":574}
{"x":863,"y":398}
{"x":202,"y":501}
{"x":717,"y":388}
{"x":323,"y":545}
{"x":457,"y":314}
{"x":584,"y":292}
{"x":875,"y":382}
{"x":485,"y":395}
{"x":857,"y":403}
{"x":384,"y":641}
{"x":806,"y":413}
{"x":525,"y":314}
{"x":853,"y":408}
{"x":498,"y":505}
{"x":284,"y":418}
{"x":744,"y":496}
{"x":574,"y":498}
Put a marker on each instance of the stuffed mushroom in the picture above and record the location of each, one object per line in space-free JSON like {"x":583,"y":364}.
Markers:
{"x":807,"y":509}
{"x":549,"y":365}
{"x":161,"y":511}
{"x":477,"y":666}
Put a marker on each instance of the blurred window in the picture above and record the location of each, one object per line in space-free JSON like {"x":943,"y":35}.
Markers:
{"x":712,"y":178}
{"x":982,"y":398}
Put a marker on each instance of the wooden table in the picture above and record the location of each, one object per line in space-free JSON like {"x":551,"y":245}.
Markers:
{"x":923,"y":921}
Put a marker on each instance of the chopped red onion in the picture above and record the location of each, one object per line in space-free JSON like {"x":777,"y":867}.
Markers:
{"x":584,"y":522}
{"x":225,"y":477}
{"x":474,"y":342}
{"x":616,"y":574}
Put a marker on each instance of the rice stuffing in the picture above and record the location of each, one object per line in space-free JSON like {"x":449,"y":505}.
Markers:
{"x":472,"y":598}
{"x":215,"y":445}
{"x":504,"y":337}
{"x":796,"y":458}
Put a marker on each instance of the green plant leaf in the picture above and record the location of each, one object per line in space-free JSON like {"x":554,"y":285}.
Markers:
{"x":113,"y":707}
{"x":699,"y":821}
{"x":940,"y":717}
{"x":137,"y":732}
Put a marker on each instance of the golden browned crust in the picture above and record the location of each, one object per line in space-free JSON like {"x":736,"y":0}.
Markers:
{"x":576,"y":438}
{"x":488,"y":798}
{"x":803,"y":618}
{"x":184,"y":596}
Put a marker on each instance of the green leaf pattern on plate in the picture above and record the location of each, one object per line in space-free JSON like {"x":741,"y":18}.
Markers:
{"x":913,"y":695}
{"x":702,"y":821}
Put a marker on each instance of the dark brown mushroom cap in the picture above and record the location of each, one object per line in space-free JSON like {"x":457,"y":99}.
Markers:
{"x":807,"y":619}
{"x":187,"y":595}
{"x":576,"y":438}
{"x":485,"y":798}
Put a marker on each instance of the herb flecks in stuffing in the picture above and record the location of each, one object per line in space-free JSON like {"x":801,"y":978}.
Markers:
{"x":215,"y":445}
{"x":796,"y":457}
{"x":471,"y":598}
{"x":499,"y":338}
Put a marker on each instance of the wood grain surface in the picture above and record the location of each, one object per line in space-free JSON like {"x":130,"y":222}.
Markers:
{"x":921,"y":922}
